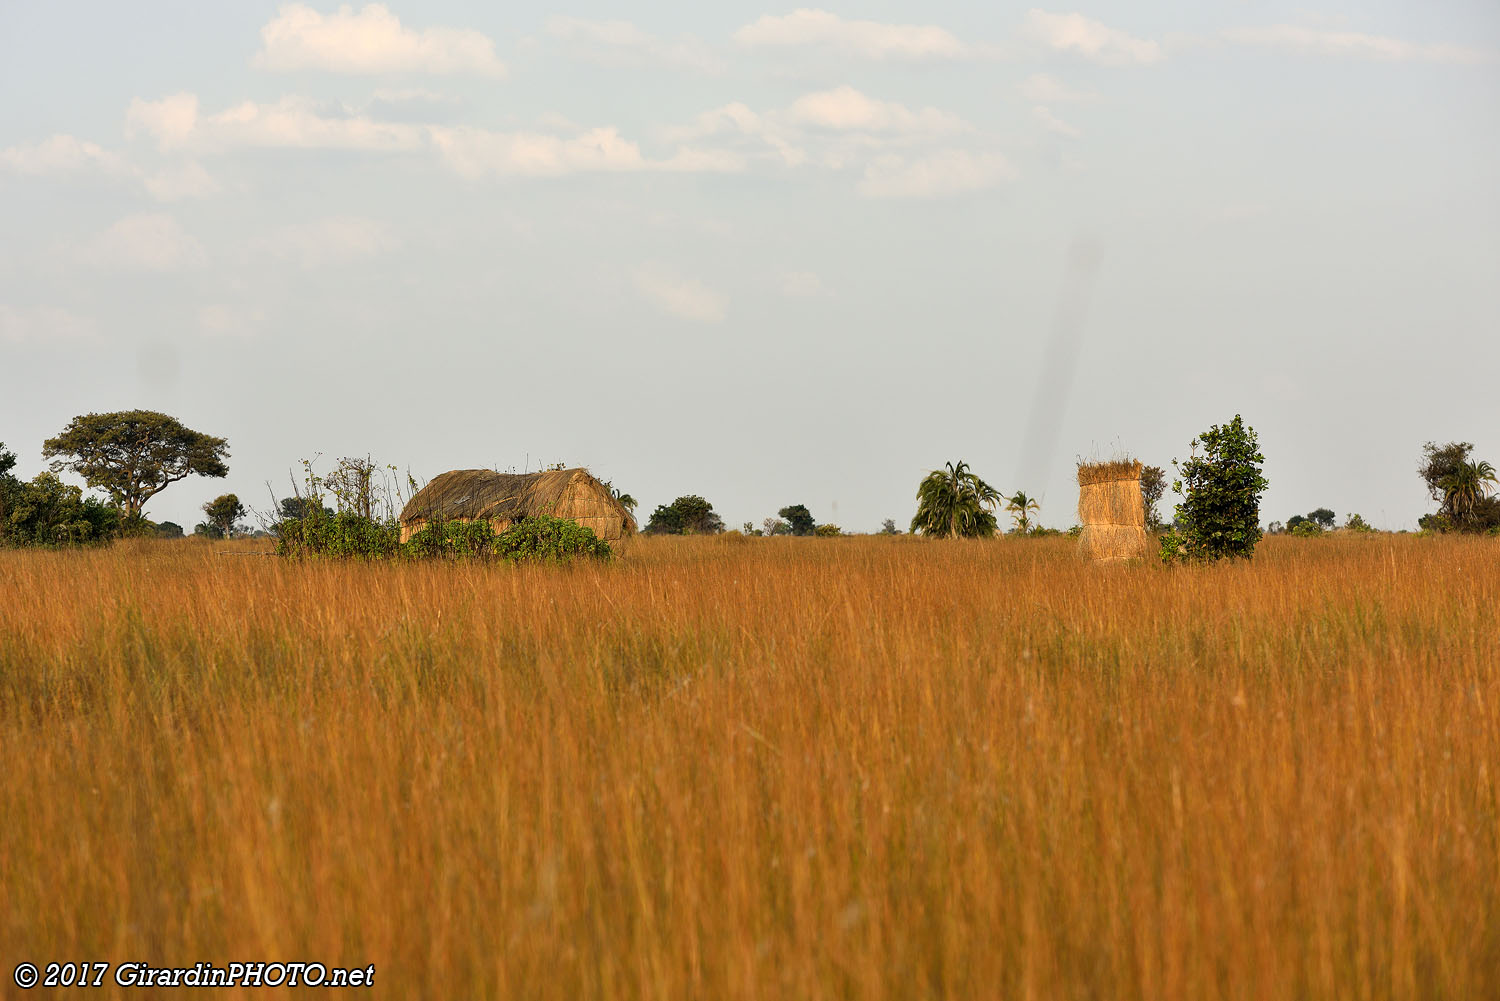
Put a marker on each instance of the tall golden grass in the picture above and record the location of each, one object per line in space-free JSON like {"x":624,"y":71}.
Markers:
{"x":783,"y":768}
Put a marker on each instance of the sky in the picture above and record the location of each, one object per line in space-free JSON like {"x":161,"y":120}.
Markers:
{"x":769,"y":255}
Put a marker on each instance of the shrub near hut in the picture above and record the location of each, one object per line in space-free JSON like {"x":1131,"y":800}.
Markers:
{"x":1111,"y":511}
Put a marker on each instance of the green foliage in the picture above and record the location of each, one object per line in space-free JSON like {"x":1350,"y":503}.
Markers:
{"x":133,"y":455}
{"x":169,"y":530}
{"x":223,"y":513}
{"x":1171,"y":546}
{"x":955,"y":502}
{"x":1461,"y":486}
{"x":1220,"y":510}
{"x":1355,"y":523}
{"x":799,"y":519}
{"x":1153,"y":486}
{"x":1020,"y":507}
{"x":828,"y":531}
{"x":301,"y":507}
{"x":888,"y":527}
{"x":49,"y":512}
{"x":1306,"y":528}
{"x":687,"y":515}
{"x":1323,"y":516}
{"x":342,"y":535}
{"x":545,"y":539}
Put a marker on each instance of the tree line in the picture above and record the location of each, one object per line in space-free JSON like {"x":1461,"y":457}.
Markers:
{"x":132,"y":456}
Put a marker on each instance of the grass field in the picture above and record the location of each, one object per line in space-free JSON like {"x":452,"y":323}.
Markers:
{"x":776,"y":768}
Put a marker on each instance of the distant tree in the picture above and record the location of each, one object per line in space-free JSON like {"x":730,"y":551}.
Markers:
{"x":223,"y":513}
{"x":749,"y":528}
{"x":828,"y":531}
{"x":1324,"y":517}
{"x":888,"y":527}
{"x":775,"y":526}
{"x":955,"y":502}
{"x":1461,"y":486}
{"x":301,"y":508}
{"x":1294,"y":521}
{"x":1153,"y":485}
{"x":169,"y":530}
{"x":687,"y":515}
{"x":799,"y":519}
{"x":1020,"y":507}
{"x":9,"y":487}
{"x":626,"y":501}
{"x":1220,"y":511}
{"x":133,"y":455}
{"x":1355,"y":523}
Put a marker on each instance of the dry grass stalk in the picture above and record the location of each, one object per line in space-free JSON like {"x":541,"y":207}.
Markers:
{"x":765,"y":769}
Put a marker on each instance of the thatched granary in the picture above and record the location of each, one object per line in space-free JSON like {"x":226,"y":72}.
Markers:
{"x":503,"y":499}
{"x":1112,"y":512}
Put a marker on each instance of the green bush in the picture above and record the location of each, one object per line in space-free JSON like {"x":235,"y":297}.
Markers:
{"x":1307,"y":529}
{"x":545,"y":539}
{"x":342,"y":535}
{"x":452,"y":539}
{"x":1220,"y":511}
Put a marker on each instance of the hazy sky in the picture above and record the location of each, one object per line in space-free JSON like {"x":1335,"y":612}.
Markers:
{"x":765,"y":254}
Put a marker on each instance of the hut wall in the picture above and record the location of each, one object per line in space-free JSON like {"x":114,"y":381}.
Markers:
{"x":1113,"y":516}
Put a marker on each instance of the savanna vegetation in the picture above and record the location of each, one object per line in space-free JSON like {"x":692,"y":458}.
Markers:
{"x":774,"y":768}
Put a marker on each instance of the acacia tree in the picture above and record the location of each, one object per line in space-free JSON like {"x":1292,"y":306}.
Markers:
{"x":955,"y":502}
{"x":134,"y":455}
{"x":1220,"y":510}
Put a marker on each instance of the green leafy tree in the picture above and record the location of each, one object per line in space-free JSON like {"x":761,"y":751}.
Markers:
{"x":169,"y":530}
{"x":1356,"y":523}
{"x":1153,"y":486}
{"x":9,"y":488}
{"x":1221,"y":489}
{"x":301,"y":507}
{"x":1324,"y":517}
{"x":799,"y":519}
{"x":223,"y":513}
{"x":1462,"y":487}
{"x":49,"y":512}
{"x":687,"y":515}
{"x":888,"y":527}
{"x":955,"y":502}
{"x":134,"y":455}
{"x":1020,"y":508}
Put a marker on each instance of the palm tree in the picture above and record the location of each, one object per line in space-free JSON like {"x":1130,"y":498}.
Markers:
{"x":1020,"y":507}
{"x":1466,"y":486}
{"x":952,"y":502}
{"x":626,"y":501}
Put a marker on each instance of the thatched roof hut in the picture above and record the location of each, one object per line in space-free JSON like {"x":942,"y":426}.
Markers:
{"x":1112,"y":512}
{"x":502,"y":499}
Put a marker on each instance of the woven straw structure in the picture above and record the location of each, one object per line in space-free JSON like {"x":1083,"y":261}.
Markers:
{"x":502,"y":499}
{"x":1112,"y":512}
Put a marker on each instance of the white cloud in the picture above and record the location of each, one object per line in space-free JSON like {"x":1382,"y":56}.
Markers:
{"x":42,"y":325}
{"x":370,"y":41}
{"x":144,"y":242}
{"x":1044,"y":89}
{"x":62,"y":154}
{"x":845,"y":108}
{"x":331,"y":241}
{"x":1090,"y":39}
{"x":679,"y":296}
{"x":1052,"y":123}
{"x":620,"y":43}
{"x":939,"y":174}
{"x":866,"y":39}
{"x":170,"y":121}
{"x":1354,"y":44}
{"x":186,"y":180}
{"x":296,"y":122}
{"x":475,"y":152}
{"x":802,"y":285}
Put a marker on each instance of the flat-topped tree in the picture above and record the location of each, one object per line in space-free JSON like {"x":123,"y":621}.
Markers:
{"x":134,"y":455}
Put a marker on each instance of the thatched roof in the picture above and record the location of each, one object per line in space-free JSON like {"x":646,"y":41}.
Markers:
{"x":1101,"y":472}
{"x":483,"y":494}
